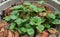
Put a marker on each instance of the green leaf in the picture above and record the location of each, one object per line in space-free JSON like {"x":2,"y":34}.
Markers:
{"x":13,"y":17}
{"x":18,"y":21}
{"x":47,"y":26}
{"x":24,"y":20}
{"x":12,"y":26}
{"x":57,"y":14}
{"x":36,"y":20}
{"x":27,"y":10}
{"x":34,"y":8}
{"x":19,"y":7}
{"x":40,"y":28}
{"x":56,"y":21}
{"x":15,"y":13}
{"x":7,"y":18}
{"x":23,"y":29}
{"x":43,"y":20}
{"x":51,"y":15}
{"x":19,"y":30}
{"x":30,"y":31}
{"x":41,"y":9}
{"x":37,"y":9}
{"x":28,"y":26}
{"x":41,"y":2}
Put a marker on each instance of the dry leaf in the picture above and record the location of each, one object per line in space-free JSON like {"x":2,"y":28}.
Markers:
{"x":10,"y":34}
{"x":16,"y":34}
{"x":1,"y":34}
{"x":3,"y":24}
{"x":44,"y":34}
{"x":48,"y":9}
{"x":42,"y":14}
{"x":42,"y":6}
{"x":7,"y":11}
{"x":53,"y":31}
{"x":2,"y":29}
{"x":5,"y":33}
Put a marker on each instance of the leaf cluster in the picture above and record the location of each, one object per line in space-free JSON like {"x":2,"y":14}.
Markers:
{"x":25,"y":19}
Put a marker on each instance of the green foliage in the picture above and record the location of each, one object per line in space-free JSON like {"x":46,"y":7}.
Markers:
{"x":19,"y":30}
{"x":36,"y":20}
{"x":25,"y":19}
{"x":56,"y":21}
{"x":37,"y":9}
{"x":23,"y":29}
{"x":41,"y":9}
{"x":30,"y":31}
{"x":18,"y":21}
{"x":51,"y":16}
{"x":7,"y":18}
{"x":47,"y":26}
{"x":16,"y":13}
{"x":20,"y":7}
{"x":40,"y":28}
{"x":13,"y":17}
{"x":34,"y":8}
{"x":12,"y":26}
{"x":28,"y":26}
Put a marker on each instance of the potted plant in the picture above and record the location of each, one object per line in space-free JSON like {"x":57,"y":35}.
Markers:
{"x":31,"y":19}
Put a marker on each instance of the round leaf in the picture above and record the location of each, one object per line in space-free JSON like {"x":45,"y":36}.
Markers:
{"x":40,"y":28}
{"x":30,"y":31}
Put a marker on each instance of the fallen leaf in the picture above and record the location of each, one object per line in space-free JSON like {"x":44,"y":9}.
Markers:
{"x":7,"y":11}
{"x":44,"y":34}
{"x":2,"y":29}
{"x":16,"y":34}
{"x":1,"y":34}
{"x":42,"y":14}
{"x":48,"y":9}
{"x":5,"y":33}
{"x":3,"y":24}
{"x":53,"y":31}
{"x":10,"y":34}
